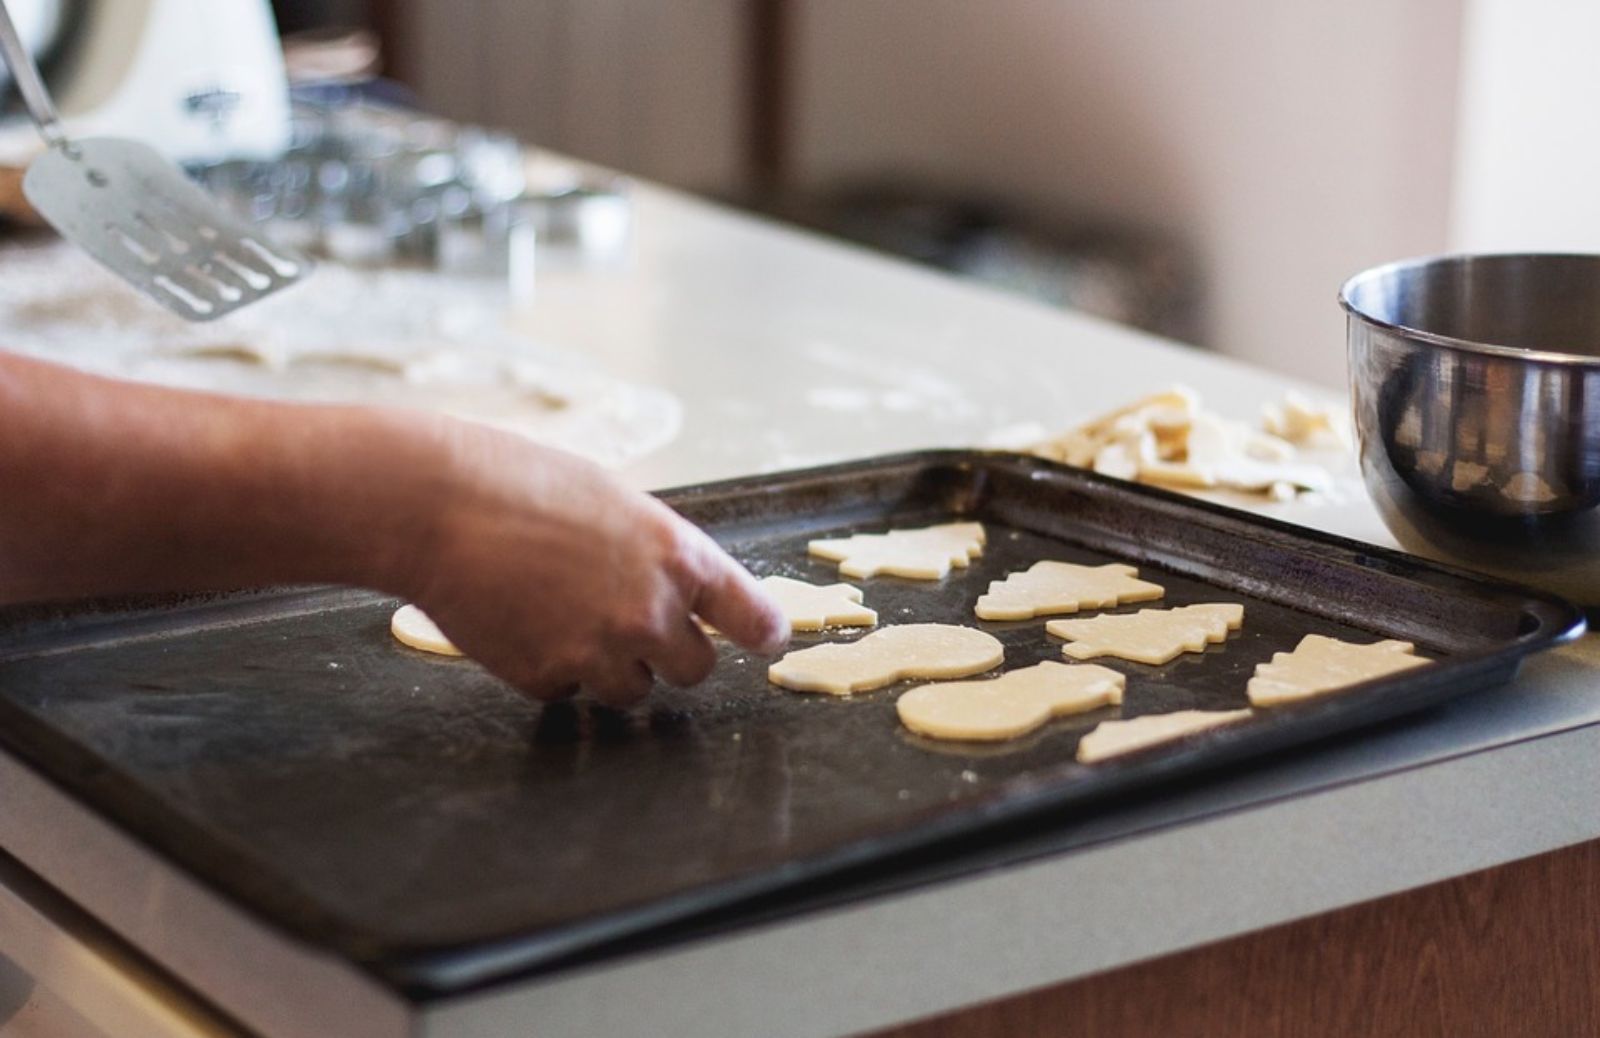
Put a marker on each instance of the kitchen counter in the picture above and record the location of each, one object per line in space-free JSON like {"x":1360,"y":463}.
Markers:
{"x":788,"y":350}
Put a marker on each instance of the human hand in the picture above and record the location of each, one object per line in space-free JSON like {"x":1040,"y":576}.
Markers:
{"x":553,"y":575}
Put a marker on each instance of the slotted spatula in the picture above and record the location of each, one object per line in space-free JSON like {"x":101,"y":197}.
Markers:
{"x":135,"y":212}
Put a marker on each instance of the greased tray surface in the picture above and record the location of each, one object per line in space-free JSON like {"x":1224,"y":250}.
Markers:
{"x":412,"y":814}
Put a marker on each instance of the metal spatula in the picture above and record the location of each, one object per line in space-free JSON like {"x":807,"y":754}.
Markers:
{"x":135,"y":212}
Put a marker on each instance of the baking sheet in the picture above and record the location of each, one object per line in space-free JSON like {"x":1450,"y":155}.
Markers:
{"x":412,"y":814}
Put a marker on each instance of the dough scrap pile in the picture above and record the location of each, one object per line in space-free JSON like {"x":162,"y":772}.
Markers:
{"x":1303,"y":423}
{"x":925,"y":554}
{"x":1152,"y":636}
{"x":888,"y":655}
{"x":1115,"y":738}
{"x":1168,"y":440}
{"x":813,"y":607}
{"x":1013,"y":704}
{"x":411,"y":626}
{"x":1048,"y":588}
{"x":1320,"y":664}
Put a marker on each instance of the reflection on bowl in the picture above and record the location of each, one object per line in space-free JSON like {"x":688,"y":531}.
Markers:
{"x":1476,"y":382}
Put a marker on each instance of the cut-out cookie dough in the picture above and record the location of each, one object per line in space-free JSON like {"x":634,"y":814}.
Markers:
{"x":1013,"y":704}
{"x":1320,"y":664}
{"x":1046,"y":588}
{"x":812,"y":607}
{"x":1152,"y":636}
{"x":411,"y":626}
{"x":1114,"y":738}
{"x":923,"y":554}
{"x":886,"y":656}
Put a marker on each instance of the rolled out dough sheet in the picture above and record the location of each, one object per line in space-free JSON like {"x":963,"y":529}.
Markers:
{"x":928,"y":553}
{"x":1115,"y":738}
{"x":888,"y":655}
{"x":1153,"y":636}
{"x":1013,"y":704}
{"x":1320,"y":664}
{"x":411,"y":626}
{"x":1047,"y":588}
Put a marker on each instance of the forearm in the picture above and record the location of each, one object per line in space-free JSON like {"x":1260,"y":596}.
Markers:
{"x":108,"y":487}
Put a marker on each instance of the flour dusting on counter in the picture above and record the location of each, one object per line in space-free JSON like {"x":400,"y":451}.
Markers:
{"x":887,"y":385}
{"x":404,"y":338}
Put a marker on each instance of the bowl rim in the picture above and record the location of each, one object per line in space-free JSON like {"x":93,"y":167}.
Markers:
{"x":1493,"y":349}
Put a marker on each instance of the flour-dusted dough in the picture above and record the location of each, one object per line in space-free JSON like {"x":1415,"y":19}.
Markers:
{"x":1063,"y":587}
{"x":812,"y":607}
{"x":351,"y":335}
{"x":411,"y":626}
{"x":1114,"y":738}
{"x":886,"y":656}
{"x":1013,"y":704}
{"x":1321,"y":664}
{"x":1152,"y":636}
{"x":923,"y":554}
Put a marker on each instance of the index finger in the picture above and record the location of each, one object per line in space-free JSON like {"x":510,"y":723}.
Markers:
{"x":730,"y":600}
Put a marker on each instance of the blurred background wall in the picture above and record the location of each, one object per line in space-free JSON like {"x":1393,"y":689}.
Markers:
{"x":1528,"y":164}
{"x":1278,"y":147}
{"x":1286,"y":144}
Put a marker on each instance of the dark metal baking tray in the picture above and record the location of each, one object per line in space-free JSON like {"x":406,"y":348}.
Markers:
{"x":412,"y":814}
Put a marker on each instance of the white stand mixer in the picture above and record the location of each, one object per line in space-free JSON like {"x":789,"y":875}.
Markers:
{"x":198,"y":80}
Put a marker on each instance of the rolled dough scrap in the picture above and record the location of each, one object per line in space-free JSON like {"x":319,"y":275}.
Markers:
{"x":1114,"y":738}
{"x":924,"y":554}
{"x":1152,"y":636}
{"x":1013,"y":704}
{"x":1063,"y":587}
{"x":1223,"y":453}
{"x":1304,"y":423}
{"x":1170,"y":440}
{"x":886,"y":656}
{"x":411,"y":626}
{"x":1321,"y":664}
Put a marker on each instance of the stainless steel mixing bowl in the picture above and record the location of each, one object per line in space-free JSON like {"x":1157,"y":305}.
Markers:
{"x":1476,"y":382}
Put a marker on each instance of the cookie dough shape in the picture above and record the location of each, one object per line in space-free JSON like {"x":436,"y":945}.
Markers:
{"x":1320,"y":664}
{"x":812,"y":607}
{"x":1115,"y":738}
{"x":888,"y":655}
{"x":1152,"y":636}
{"x":411,"y":626}
{"x":1063,"y":587}
{"x":1013,"y":704}
{"x":924,"y":554}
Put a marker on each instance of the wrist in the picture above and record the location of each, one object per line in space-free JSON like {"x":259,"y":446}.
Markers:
{"x":394,"y":488}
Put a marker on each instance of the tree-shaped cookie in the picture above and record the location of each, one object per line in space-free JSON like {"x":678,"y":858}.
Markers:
{"x":812,"y":607}
{"x":1151,"y":635}
{"x":1013,"y":704}
{"x":1114,"y":738}
{"x":922,"y":554}
{"x":1321,"y":664}
{"x":1048,"y":588}
{"x":886,"y":656}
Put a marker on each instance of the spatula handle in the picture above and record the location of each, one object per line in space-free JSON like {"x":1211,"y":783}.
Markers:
{"x":26,"y":74}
